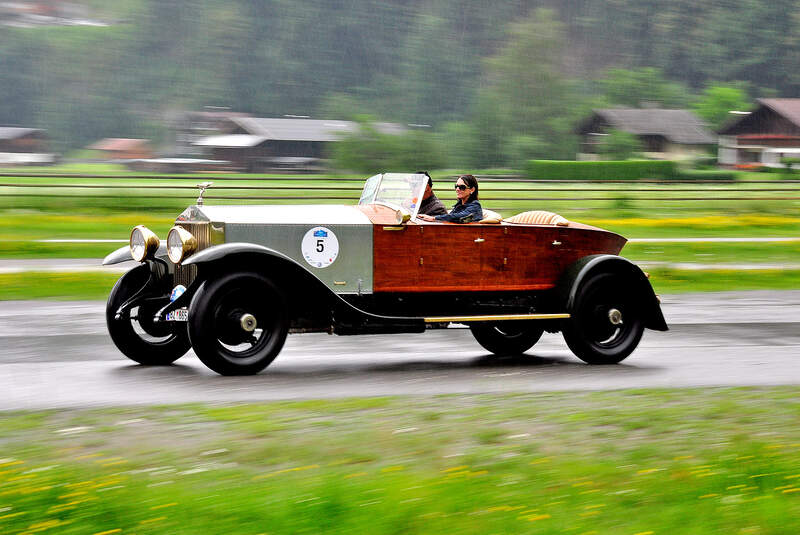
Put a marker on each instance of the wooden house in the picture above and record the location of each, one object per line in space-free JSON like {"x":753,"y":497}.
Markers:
{"x":664,"y":134}
{"x":763,"y":136}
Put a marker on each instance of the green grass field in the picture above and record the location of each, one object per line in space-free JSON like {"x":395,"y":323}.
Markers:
{"x":711,"y":461}
{"x":119,"y":203}
{"x":578,"y":201}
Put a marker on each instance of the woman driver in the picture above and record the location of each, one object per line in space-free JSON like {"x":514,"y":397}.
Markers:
{"x":467,"y":208}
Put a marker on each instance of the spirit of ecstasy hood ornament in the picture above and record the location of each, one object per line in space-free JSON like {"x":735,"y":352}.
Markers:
{"x":203,"y":187}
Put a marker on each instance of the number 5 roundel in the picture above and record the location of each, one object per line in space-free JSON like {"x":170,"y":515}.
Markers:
{"x":320,"y":247}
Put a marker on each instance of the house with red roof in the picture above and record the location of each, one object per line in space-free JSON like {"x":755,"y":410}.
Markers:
{"x":762,"y":136}
{"x":118,"y":148}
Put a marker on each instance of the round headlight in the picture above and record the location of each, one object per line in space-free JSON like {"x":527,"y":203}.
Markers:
{"x":180,"y":244}
{"x":144,"y":243}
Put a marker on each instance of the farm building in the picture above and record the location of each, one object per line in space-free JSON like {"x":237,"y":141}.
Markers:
{"x":664,"y":134}
{"x":192,"y":126}
{"x":118,"y":148}
{"x":24,"y":146}
{"x":258,"y":143}
{"x":763,"y":136}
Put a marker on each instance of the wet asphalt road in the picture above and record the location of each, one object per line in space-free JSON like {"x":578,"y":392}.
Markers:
{"x":59,"y":355}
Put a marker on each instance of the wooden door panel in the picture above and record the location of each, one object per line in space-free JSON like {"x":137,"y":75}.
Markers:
{"x":396,"y":266}
{"x":451,"y":259}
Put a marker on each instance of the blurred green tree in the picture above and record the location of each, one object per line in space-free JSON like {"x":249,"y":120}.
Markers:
{"x":367,"y":150}
{"x":717,"y":101}
{"x":527,"y":90}
{"x":619,"y":145}
{"x":459,"y":145}
{"x":645,"y":86}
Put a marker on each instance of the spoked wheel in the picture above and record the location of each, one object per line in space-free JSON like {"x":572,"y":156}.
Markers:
{"x":238,"y":324}
{"x":606,"y":323}
{"x":507,"y":337}
{"x":136,"y":334}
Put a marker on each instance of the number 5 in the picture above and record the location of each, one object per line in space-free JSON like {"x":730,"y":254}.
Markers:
{"x":320,"y":246}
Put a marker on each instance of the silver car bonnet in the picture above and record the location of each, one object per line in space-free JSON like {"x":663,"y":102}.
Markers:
{"x":294,"y":230}
{"x":318,"y":214}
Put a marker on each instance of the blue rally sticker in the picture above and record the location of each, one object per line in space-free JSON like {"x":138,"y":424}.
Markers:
{"x":320,"y":234}
{"x":177,"y":292}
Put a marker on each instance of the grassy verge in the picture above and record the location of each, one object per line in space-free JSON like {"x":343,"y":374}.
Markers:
{"x":670,"y":281}
{"x":59,"y":286}
{"x":631,"y":462}
{"x":21,"y":249}
{"x":715,"y":252}
{"x":97,"y":285}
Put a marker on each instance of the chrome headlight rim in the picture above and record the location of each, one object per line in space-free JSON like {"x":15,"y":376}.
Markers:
{"x":180,"y":244}
{"x":143,"y":243}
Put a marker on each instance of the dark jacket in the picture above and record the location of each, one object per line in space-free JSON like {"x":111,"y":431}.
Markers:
{"x":432,"y":206}
{"x":463,"y":213}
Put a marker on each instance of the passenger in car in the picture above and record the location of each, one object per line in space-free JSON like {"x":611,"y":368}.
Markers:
{"x":430,"y":205}
{"x":467,"y":208}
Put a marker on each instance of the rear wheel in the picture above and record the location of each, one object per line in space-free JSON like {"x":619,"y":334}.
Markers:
{"x":238,"y":324}
{"x":507,"y":337}
{"x":606,"y":323}
{"x":135,"y":333}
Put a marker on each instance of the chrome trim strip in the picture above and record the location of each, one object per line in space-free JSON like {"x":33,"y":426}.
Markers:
{"x":501,"y":317}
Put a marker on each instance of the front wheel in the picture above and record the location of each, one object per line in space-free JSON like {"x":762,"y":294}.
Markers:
{"x":135,"y":333}
{"x":606,"y":323}
{"x":238,"y":323}
{"x":507,"y":337}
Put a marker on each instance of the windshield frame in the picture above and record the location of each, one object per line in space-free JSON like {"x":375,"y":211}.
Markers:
{"x":402,"y":191}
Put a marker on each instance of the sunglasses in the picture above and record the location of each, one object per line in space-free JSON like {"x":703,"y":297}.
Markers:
{"x":462,"y":187}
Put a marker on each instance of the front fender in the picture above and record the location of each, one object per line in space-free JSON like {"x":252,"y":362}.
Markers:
{"x":218,"y":252}
{"x":345,"y":317}
{"x":123,"y":254}
{"x":575,"y":275}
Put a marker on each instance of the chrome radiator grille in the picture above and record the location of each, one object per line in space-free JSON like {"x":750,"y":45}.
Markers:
{"x":202,"y":232}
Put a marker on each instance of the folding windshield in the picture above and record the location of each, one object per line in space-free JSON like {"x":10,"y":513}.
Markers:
{"x":396,"y":190}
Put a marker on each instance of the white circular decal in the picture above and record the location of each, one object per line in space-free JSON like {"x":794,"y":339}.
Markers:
{"x":320,"y":247}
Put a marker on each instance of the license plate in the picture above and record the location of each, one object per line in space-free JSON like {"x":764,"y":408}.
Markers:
{"x":182,"y":314}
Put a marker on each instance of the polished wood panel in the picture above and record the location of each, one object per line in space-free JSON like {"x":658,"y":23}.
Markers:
{"x":396,"y":265}
{"x":481,"y":257}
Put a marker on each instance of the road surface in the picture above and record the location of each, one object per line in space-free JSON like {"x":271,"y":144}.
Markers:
{"x":58,"y":354}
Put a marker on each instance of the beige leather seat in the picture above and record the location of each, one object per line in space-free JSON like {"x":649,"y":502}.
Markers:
{"x":491,"y":217}
{"x":538,"y":217}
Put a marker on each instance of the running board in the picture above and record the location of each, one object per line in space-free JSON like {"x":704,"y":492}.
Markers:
{"x":502,"y":317}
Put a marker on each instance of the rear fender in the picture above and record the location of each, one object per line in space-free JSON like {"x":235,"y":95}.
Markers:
{"x":578,"y":273}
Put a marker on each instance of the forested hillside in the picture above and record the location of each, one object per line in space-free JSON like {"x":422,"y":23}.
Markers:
{"x":519,"y":72}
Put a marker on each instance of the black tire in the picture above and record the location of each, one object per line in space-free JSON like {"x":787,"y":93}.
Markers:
{"x":590,"y":332}
{"x":136,"y":335}
{"x":215,"y":328}
{"x":507,"y":337}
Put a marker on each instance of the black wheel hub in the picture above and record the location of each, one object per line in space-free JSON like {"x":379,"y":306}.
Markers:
{"x":230,"y":329}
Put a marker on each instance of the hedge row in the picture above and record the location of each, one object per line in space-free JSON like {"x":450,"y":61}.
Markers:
{"x":702,"y":174}
{"x":614,"y":170}
{"x":619,"y":170}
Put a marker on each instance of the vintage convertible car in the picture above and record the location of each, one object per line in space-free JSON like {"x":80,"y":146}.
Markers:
{"x":233,"y":281}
